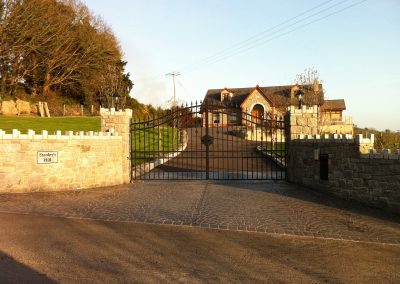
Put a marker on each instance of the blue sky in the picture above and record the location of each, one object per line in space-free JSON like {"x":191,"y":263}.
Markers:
{"x":356,"y":51}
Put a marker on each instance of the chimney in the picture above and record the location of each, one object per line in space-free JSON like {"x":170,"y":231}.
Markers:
{"x":316,"y":86}
{"x":293,"y":91}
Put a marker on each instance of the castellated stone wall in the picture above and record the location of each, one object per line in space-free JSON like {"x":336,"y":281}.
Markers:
{"x":354,"y":170}
{"x":56,"y":162}
{"x":308,"y":121}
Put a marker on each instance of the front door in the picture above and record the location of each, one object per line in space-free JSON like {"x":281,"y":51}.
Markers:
{"x":257,"y":113}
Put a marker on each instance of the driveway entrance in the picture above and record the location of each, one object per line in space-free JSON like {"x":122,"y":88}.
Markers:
{"x":206,"y":141}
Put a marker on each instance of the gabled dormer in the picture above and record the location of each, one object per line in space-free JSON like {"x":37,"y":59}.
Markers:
{"x":226,"y":95}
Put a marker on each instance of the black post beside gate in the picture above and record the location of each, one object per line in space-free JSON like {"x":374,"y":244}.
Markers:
{"x":208,"y":141}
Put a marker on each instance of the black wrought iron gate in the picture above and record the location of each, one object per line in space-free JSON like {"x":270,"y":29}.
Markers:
{"x":208,"y":141}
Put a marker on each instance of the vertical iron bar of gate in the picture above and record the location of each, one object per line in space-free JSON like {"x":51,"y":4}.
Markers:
{"x":190,"y":119}
{"x":242,"y":142}
{"x":235,"y":158}
{"x":152,"y":155}
{"x":145,"y":146}
{"x":286,"y":129}
{"x":253,"y":158}
{"x":130,"y":150}
{"x":203,"y":125}
{"x":207,"y":144}
{"x":215,"y":157}
{"x":136,"y":148}
{"x":275,"y":150}
{"x":164,"y":137}
{"x":223,"y":135}
{"x":160,"y":117}
{"x":283,"y":145}
{"x":247,"y":160}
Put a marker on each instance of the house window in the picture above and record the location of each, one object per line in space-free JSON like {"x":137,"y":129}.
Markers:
{"x":226,"y":97}
{"x":216,"y":117}
{"x":336,"y":116}
{"x":232,"y":117}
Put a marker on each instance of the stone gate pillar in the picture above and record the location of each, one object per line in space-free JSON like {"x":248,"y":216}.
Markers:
{"x":302,"y":121}
{"x":119,"y":122}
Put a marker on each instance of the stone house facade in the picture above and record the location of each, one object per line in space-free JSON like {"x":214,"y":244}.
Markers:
{"x":245,"y":106}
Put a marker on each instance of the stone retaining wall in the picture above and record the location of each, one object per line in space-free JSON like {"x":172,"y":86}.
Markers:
{"x":355,"y":171}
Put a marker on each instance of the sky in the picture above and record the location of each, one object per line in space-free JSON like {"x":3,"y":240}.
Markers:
{"x":353,"y":44}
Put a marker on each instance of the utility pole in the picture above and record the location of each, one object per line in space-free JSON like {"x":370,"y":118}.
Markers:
{"x":173,"y":74}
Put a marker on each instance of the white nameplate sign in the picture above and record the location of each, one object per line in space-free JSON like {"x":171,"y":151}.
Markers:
{"x":47,"y":157}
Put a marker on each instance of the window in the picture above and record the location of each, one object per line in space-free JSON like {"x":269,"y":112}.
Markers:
{"x":232,"y":117}
{"x":215,"y":117}
{"x":226,"y":97}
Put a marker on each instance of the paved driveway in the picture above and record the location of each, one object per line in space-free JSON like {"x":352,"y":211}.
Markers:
{"x":266,"y":207}
{"x":230,"y":157}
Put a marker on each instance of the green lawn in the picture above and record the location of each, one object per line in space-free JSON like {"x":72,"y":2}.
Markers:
{"x":279,"y":148}
{"x":151,"y":143}
{"x":148,"y":143}
{"x":38,"y":124}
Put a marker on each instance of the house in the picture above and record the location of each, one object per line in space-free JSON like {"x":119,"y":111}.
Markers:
{"x":245,"y":106}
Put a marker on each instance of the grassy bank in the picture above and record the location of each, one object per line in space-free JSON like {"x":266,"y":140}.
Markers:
{"x":151,"y":143}
{"x":38,"y":124}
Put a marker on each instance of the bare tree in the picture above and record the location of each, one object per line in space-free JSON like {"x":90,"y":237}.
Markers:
{"x":313,"y":95}
{"x":111,"y":83}
{"x":311,"y":87}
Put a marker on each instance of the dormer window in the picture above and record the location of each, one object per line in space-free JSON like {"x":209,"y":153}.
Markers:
{"x":226,"y":96}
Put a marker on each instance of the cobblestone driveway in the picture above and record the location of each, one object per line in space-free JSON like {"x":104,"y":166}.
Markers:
{"x":251,"y":206}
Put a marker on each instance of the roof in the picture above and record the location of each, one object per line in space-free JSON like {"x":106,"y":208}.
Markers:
{"x":279,"y":95}
{"x":333,"y":105}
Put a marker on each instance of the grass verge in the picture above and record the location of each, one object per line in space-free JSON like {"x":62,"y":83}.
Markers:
{"x":38,"y":124}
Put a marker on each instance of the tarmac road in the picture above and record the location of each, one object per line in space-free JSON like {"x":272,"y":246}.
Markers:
{"x":39,"y":249}
{"x":195,"y":232}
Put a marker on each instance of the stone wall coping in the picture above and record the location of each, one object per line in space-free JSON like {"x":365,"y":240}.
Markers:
{"x":381,"y":156}
{"x":336,"y":138}
{"x":386,"y":154}
{"x":305,"y":109}
{"x":68,"y":135}
{"x":112,"y":111}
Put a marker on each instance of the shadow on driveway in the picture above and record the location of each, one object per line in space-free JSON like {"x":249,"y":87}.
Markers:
{"x":11,"y":271}
{"x":310,"y":195}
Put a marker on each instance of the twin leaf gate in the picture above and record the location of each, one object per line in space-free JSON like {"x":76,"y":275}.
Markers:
{"x":208,"y":141}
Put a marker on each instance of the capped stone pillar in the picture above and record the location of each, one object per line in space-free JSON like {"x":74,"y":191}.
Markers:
{"x":119,"y":122}
{"x":302,"y":121}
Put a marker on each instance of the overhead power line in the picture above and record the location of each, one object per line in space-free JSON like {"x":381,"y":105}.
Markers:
{"x":256,"y":36}
{"x":264,"y":37}
{"x":299,"y":21}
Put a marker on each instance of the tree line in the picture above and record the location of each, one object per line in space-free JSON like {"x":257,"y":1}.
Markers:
{"x":59,"y":48}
